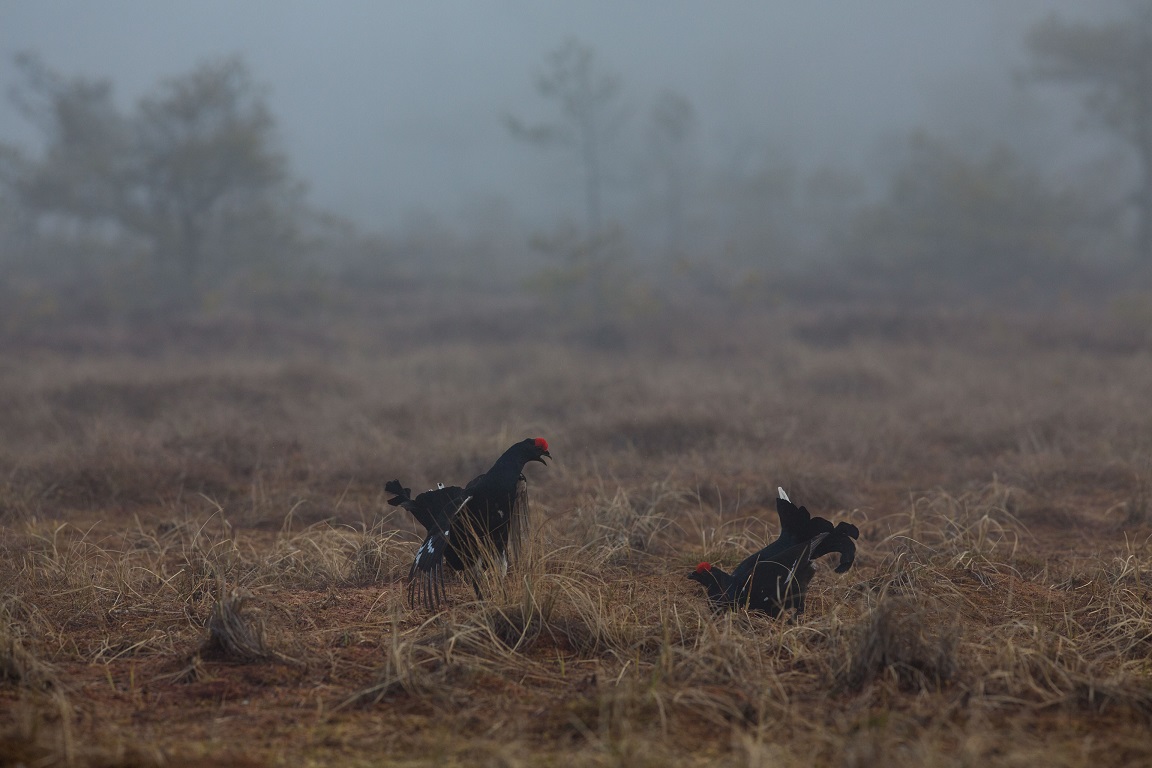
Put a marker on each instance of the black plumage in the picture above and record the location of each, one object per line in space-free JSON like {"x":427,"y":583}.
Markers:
{"x":715,"y":581}
{"x":436,"y":510}
{"x":777,"y":577}
{"x":470,"y":528}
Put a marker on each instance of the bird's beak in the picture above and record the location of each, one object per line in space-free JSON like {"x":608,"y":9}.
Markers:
{"x":540,"y":458}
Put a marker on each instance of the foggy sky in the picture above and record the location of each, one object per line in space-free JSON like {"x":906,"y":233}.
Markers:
{"x":385,"y":108}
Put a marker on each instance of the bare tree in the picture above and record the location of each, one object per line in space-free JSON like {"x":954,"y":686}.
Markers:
{"x":204,"y":149}
{"x":1114,"y":61}
{"x":194,"y":161}
{"x":984,"y":219}
{"x":672,"y":125}
{"x":589,"y":117}
{"x":85,"y":169}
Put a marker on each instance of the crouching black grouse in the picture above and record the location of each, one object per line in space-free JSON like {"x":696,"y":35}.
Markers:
{"x":776,"y":578}
{"x":470,"y":528}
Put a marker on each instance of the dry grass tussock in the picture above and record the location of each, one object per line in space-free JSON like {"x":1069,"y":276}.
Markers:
{"x":199,"y":566}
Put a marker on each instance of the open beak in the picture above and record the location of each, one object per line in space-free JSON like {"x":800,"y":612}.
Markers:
{"x":540,"y":458}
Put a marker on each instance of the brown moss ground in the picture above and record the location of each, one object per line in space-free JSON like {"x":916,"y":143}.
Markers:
{"x":999,"y":467}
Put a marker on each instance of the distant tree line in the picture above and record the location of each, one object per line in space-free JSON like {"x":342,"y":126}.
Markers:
{"x":191,"y":177}
{"x":1112,"y":63}
{"x":949,"y":214}
{"x":188,"y":189}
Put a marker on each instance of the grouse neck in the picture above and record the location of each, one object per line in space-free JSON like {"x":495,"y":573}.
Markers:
{"x":511,"y":462}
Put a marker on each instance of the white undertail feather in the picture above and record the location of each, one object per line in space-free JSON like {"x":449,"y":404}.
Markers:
{"x":782,"y":494}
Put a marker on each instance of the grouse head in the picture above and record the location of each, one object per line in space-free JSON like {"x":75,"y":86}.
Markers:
{"x":533,"y":449}
{"x":714,"y":580}
{"x":512,"y":461}
{"x":703,"y":574}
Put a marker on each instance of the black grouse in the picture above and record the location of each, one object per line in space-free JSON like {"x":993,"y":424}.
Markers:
{"x":472,"y":527}
{"x":776,"y":578}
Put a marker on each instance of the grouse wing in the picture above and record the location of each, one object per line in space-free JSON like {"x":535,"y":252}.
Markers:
{"x":841,"y":540}
{"x":433,"y":509}
{"x":426,"y":577}
{"x":770,"y":582}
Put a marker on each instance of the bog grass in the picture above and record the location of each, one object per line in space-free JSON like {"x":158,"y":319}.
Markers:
{"x":199,"y":565}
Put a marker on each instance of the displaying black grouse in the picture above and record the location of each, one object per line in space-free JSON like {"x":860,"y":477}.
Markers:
{"x":472,"y":527}
{"x":776,"y":578}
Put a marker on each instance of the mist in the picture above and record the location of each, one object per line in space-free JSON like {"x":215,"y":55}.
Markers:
{"x":271,"y":268}
{"x":387,"y":109}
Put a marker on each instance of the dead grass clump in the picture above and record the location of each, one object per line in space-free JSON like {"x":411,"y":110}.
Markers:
{"x":517,"y":627}
{"x":208,"y":553}
{"x":974,"y":528}
{"x":556,"y":599}
{"x":613,"y":713}
{"x":1113,"y":620}
{"x":615,"y":526}
{"x":191,"y":670}
{"x":414,"y":667}
{"x":903,"y":638}
{"x":18,"y":666}
{"x":507,"y":624}
{"x":43,"y":732}
{"x":1065,"y":670}
{"x":1120,"y":692}
{"x":377,"y":558}
{"x":315,"y":558}
{"x":721,"y":652}
{"x":723,"y":675}
{"x":973,"y":532}
{"x":514,"y":628}
{"x":598,"y":619}
{"x":235,"y":634}
{"x":49,"y":731}
{"x":64,"y":557}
